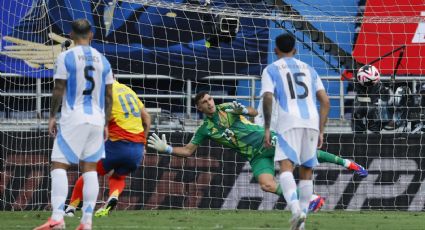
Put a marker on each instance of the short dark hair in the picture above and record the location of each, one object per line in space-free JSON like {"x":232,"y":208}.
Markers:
{"x":81,"y":27}
{"x":199,"y":96}
{"x":285,"y":43}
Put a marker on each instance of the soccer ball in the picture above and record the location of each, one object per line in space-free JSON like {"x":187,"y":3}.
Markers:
{"x":368,"y":75}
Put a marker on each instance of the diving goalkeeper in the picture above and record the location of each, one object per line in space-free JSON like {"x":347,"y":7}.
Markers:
{"x":225,"y":124}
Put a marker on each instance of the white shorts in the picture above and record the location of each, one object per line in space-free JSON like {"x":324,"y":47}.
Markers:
{"x":299,"y":145}
{"x":83,"y":142}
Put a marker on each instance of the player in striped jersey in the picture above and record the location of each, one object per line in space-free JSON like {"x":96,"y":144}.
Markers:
{"x":322,"y":156}
{"x":83,"y":84}
{"x":297,"y":88}
{"x":128,"y":127}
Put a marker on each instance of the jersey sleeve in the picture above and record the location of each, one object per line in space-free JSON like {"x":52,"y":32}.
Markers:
{"x":316,"y":78}
{"x":200,"y":135}
{"x":109,"y":78}
{"x":319,"y":84}
{"x":60,"y":68}
{"x":140,"y":103}
{"x":266,"y":82}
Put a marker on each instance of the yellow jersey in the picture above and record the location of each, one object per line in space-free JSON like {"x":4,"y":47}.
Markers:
{"x":126,"y":121}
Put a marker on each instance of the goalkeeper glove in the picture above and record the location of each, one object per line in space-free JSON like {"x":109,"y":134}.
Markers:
{"x":161,"y":145}
{"x":237,"y":108}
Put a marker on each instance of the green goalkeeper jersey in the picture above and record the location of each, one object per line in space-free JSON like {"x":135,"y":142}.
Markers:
{"x":233,"y":131}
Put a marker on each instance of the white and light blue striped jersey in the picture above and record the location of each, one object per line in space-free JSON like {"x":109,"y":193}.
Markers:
{"x":87,"y":73}
{"x":294,"y":85}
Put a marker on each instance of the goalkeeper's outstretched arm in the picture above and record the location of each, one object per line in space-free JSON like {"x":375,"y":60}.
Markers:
{"x":184,"y":151}
{"x":252,"y":112}
{"x":240,"y":109}
{"x":161,"y":145}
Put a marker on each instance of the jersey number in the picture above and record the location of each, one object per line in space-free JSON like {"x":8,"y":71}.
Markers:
{"x":131,"y":102}
{"x":89,"y":78}
{"x":299,"y":82}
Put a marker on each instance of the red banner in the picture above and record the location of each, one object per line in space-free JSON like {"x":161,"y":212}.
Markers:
{"x":403,"y":31}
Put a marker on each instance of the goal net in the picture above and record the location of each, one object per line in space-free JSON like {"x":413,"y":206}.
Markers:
{"x":167,"y":51}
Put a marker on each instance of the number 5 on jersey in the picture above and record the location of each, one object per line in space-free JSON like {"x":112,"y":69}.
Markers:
{"x":90,"y":81}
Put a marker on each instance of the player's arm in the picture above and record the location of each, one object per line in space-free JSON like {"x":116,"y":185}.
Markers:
{"x":61,"y":77}
{"x":324,"y":108}
{"x":108,"y":92}
{"x":184,"y":151}
{"x":267,"y":89}
{"x":323,"y":113}
{"x":108,"y":103}
{"x":57,"y":94}
{"x":251,"y":111}
{"x":267,"y":109}
{"x":239,"y":109}
{"x":161,"y":145}
{"x":146,"y":120}
{"x":323,"y":99}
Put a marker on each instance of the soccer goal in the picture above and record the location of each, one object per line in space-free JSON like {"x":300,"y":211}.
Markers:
{"x":169,"y":50}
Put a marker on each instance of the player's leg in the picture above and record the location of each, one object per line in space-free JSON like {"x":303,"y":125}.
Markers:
{"x":93,"y":151}
{"x":326,"y":157}
{"x":90,"y":191}
{"x":126,"y":157}
{"x":77,"y":192}
{"x":263,"y":169}
{"x":308,"y":161}
{"x":287,"y":154}
{"x":76,"y":197}
{"x":106,"y":166}
{"x":65,"y":151}
{"x":116,"y":186}
{"x":59,"y":191}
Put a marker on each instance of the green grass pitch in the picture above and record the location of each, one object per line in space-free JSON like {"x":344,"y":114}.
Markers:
{"x":217,"y":219}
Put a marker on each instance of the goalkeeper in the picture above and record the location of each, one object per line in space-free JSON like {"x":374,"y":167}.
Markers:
{"x":225,"y":124}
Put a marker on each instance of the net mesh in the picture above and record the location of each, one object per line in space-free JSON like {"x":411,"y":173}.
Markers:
{"x":166,"y":51}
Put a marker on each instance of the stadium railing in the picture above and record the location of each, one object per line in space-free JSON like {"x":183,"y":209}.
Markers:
{"x":38,"y":119}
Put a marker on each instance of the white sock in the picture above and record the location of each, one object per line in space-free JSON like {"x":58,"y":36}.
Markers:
{"x":305,"y":189}
{"x":347,"y":163}
{"x":90,"y":192}
{"x":70,"y":207}
{"x":111,"y":197}
{"x":59,"y":193}
{"x":289,"y":189}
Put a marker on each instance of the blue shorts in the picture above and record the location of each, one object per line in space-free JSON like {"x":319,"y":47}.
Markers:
{"x":122,"y":156}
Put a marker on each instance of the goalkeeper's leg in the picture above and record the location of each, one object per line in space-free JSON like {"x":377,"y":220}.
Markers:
{"x":325,"y":157}
{"x":263,"y":169}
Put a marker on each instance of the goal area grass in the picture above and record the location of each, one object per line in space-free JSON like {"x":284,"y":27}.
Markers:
{"x":219,"y":219}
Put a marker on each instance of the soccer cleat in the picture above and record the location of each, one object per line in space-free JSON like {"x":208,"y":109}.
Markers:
{"x":316,"y":204}
{"x":297,"y":221}
{"x":358,"y":169}
{"x":51,"y":225}
{"x":85,"y":226}
{"x":104,"y":211}
{"x":70,"y":211}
